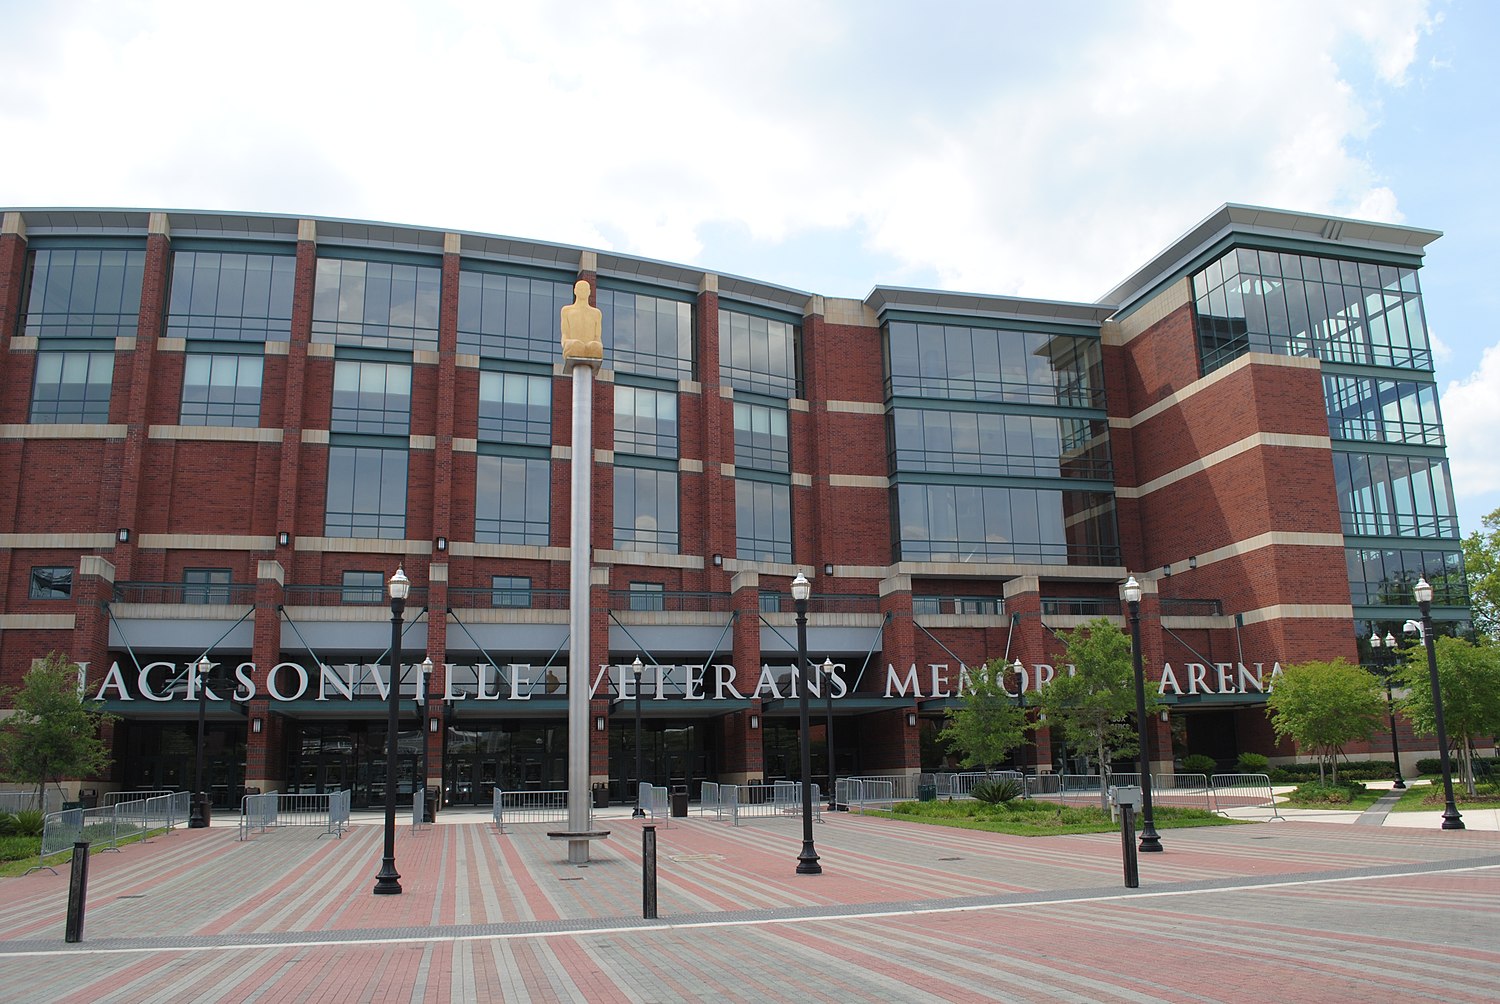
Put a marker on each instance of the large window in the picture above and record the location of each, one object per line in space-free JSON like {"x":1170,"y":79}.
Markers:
{"x":648,"y":596}
{"x":366,"y":492}
{"x":1303,"y":305}
{"x":760,"y":437}
{"x":1382,"y":411}
{"x":231,"y":297}
{"x":515,"y":408}
{"x":371,"y":397}
{"x":512,"y":500}
{"x":376,"y":305}
{"x":1021,"y":525}
{"x":510,"y":591}
{"x":221,"y":389}
{"x":646,"y":509}
{"x":205,"y":585}
{"x":1381,"y":495}
{"x":51,"y":582}
{"x":84,"y":293}
{"x":963,"y":363}
{"x":511,"y":316}
{"x":763,"y":520}
{"x":363,"y":587}
{"x":759,"y":354}
{"x":72,"y":386}
{"x":1385,"y":576}
{"x":645,"y":421}
{"x":647,"y":335}
{"x":989,"y":443}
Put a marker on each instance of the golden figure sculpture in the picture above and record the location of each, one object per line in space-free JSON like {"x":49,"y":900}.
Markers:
{"x":582,"y":327}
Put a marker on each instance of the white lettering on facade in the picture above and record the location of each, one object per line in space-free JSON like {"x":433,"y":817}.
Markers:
{"x":302,"y":681}
{"x":328,"y":675}
{"x":767,"y":682}
{"x":113,"y":678}
{"x":725,"y":676}
{"x":939,"y":686}
{"x":896,"y":686}
{"x":244,"y":685}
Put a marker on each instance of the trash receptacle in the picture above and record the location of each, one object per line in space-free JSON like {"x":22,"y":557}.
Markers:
{"x":927,"y":793}
{"x":601,"y":796}
{"x":89,"y":798}
{"x":430,"y":804}
{"x":204,"y":814}
{"x":679,"y":801}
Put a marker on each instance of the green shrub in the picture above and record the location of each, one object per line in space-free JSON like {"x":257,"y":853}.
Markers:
{"x":26,"y":823}
{"x":13,"y":848}
{"x":1252,"y":763}
{"x":1197,"y":763}
{"x":1359,"y":770}
{"x":1331,"y":794}
{"x":997,"y":790}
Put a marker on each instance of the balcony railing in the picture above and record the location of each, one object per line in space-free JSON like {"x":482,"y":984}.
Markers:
{"x":236,"y":593}
{"x":1080,"y":606}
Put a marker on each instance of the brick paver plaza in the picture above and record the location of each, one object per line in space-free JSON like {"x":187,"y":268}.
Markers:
{"x":1295,"y":911}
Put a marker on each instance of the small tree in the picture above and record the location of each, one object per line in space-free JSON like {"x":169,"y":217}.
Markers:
{"x":1469,"y":676}
{"x":54,"y":732}
{"x":989,"y":723}
{"x":1322,"y":706}
{"x":1482,"y":568}
{"x":1094,"y":703}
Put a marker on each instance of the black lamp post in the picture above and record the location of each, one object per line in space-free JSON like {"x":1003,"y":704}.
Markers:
{"x":635,"y":676}
{"x":1149,"y":839}
{"x":1451,"y":819}
{"x":825,"y":673}
{"x":1387,"y":665}
{"x":1020,"y":672}
{"x":198,"y":817}
{"x":807,"y":860}
{"x":429,"y":809}
{"x":388,"y":881}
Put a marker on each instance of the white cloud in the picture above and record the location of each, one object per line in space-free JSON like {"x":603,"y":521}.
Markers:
{"x":1471,"y":414}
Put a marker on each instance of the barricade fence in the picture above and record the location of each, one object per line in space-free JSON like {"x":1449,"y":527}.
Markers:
{"x":1243,"y":791}
{"x":515,"y":807}
{"x":779,"y":800}
{"x":116,"y":797}
{"x":107,"y":827}
{"x":26,"y":801}
{"x":656,"y":802}
{"x":329,"y":810}
{"x":1196,"y":791}
{"x":709,"y":799}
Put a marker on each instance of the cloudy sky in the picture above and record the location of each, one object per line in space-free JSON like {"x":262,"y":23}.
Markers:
{"x":1035,"y":149}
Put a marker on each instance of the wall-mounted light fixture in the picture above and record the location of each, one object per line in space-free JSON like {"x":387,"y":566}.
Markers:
{"x":256,"y":725}
{"x":718,"y":561}
{"x":283,"y":539}
{"x":442,"y":543}
{"x":1192,"y":562}
{"x":1166,"y":570}
{"x":434,"y":724}
{"x":599,"y":723}
{"x":755,"y":721}
{"x":123,"y":535}
{"x":911,"y":719}
{"x":828,"y":568}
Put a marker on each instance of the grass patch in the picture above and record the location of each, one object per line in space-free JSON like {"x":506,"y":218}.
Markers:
{"x":12,"y":866}
{"x":1344,"y":795}
{"x":1429,"y":797}
{"x":1038,"y":817}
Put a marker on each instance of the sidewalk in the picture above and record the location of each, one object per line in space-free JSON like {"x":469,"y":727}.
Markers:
{"x":901,"y":912}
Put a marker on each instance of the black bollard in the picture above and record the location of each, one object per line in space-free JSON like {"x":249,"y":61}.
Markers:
{"x":648,"y":873}
{"x":1127,"y":845}
{"x":78,"y":892}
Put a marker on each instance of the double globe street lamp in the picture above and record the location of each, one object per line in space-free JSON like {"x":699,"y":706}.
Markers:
{"x":1423,"y":591}
{"x":1386,"y":663}
{"x":1149,"y":839}
{"x":635,"y":676}
{"x":388,"y":881}
{"x":807,"y":860}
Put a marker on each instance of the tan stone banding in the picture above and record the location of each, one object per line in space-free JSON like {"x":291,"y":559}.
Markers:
{"x":708,"y":283}
{"x":826,"y":619}
{"x":278,"y":348}
{"x":690,"y":465}
{"x":588,"y":261}
{"x":854,"y":407}
{"x":205,"y":541}
{"x":463,"y":444}
{"x":322,"y":350}
{"x":24,"y":343}
{"x":437,"y":571}
{"x":854,"y":313}
{"x":689,"y":387}
{"x":67,"y":541}
{"x":1300,"y":611}
{"x":748,"y":578}
{"x":363,"y":545}
{"x":453,"y":244}
{"x":1157,"y":308}
{"x":466,"y":360}
{"x":798,"y":404}
{"x":1020,"y":584}
{"x":270,"y":568}
{"x":860,"y":571}
{"x":171,"y":344}
{"x":63,"y":430}
{"x":516,"y":552}
{"x":802,"y":480}
{"x":315,"y":437}
{"x":215,"y":433}
{"x":307,"y":230}
{"x":599,"y":575}
{"x":813,"y":307}
{"x":895,"y":584}
{"x":726,"y":470}
{"x":37,"y":622}
{"x":769,"y":568}
{"x":97,"y":565}
{"x":562,"y":453}
{"x":726,"y":392}
{"x":514,"y":615}
{"x":13,"y":223}
{"x":157,"y":223}
{"x":858,"y":481}
{"x":1203,"y":383}
{"x":980,"y":569}
{"x":961,"y":620}
{"x":425,"y":357}
{"x":650,"y":559}
{"x":1219,"y":456}
{"x":604,"y":456}
{"x":422,"y":442}
{"x":1070,"y":621}
{"x":125,"y":343}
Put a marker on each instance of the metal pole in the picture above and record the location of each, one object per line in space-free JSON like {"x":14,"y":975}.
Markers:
{"x":195,"y":815}
{"x":78,"y":892}
{"x":635,"y":672}
{"x":648,"y":872}
{"x":833,"y":781}
{"x":1127,"y":846}
{"x":807,"y":860}
{"x":388,"y":881}
{"x":1150,"y":841}
{"x":1388,"y":663}
{"x":1451,"y":819}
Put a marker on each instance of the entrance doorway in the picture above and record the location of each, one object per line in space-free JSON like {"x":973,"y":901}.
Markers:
{"x":480,"y":759}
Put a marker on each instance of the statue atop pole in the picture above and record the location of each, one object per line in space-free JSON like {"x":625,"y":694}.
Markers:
{"x":583,"y":352}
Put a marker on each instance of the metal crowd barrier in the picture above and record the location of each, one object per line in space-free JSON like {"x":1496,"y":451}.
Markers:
{"x":1243,"y":791}
{"x":656,"y":802}
{"x":781,"y":799}
{"x":962,"y":785}
{"x":25,"y":801}
{"x":709,"y":799}
{"x":859,"y":793}
{"x":107,"y":827}
{"x":1190,"y":791}
{"x":531,"y":807}
{"x":418,"y":817}
{"x":330,"y":810}
{"x":116,"y":797}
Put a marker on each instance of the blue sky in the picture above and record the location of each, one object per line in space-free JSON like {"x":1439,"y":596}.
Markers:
{"x":1032,"y":149}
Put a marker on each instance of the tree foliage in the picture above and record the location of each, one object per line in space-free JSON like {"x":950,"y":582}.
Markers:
{"x":989,"y":723}
{"x":1469,"y":676}
{"x":54,"y":732}
{"x":1094,"y":704}
{"x":1482,"y":567}
{"x":1321,"y":706}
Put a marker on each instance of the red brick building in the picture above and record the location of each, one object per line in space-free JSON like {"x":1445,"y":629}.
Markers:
{"x":221,"y":434}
